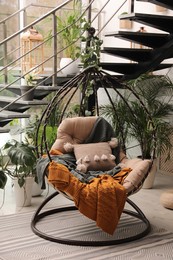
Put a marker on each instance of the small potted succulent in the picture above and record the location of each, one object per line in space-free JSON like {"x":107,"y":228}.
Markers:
{"x":30,"y":82}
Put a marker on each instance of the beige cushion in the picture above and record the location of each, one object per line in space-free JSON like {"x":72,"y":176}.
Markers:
{"x":139,"y":170}
{"x":166,"y":199}
{"x":73,"y":130}
{"x":94,"y":156}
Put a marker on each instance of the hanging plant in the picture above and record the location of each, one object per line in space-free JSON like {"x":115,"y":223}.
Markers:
{"x":90,"y":56}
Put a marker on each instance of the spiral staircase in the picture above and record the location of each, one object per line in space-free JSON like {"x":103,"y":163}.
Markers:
{"x":158,"y":49}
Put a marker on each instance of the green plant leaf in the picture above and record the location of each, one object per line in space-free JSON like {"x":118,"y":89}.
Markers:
{"x":21,"y":181}
{"x":3,"y":179}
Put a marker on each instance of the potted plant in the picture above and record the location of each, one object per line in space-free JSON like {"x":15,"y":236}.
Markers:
{"x":22,"y":169}
{"x":125,"y":24}
{"x":156,"y":93}
{"x":135,"y":124}
{"x":28,"y":87}
{"x":71,"y":26}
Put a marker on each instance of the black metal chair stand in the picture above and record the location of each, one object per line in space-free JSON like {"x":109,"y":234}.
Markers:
{"x":137,"y":214}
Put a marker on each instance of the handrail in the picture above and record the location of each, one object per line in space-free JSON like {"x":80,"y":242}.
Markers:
{"x":5,"y":67}
{"x":35,"y":22}
{"x":112,"y":15}
{"x":54,"y":34}
{"x":12,"y":15}
{"x":23,"y":9}
{"x":91,"y":2}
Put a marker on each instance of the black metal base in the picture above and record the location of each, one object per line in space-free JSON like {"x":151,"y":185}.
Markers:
{"x":38,"y":216}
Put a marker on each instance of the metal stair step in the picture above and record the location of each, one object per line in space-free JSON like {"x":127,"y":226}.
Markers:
{"x":138,"y":55}
{"x":7,"y":99}
{"x":132,"y":68}
{"x":20,"y":105}
{"x":161,"y":22}
{"x":39,"y":93}
{"x":4,"y":130}
{"x":165,"y":3}
{"x":11,"y":115}
{"x":134,"y":54}
{"x":152,"y":40}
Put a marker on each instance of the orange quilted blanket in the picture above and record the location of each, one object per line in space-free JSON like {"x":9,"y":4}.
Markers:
{"x":102,"y":199}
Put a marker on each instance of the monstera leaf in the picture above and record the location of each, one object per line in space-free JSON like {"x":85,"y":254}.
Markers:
{"x":22,"y":156}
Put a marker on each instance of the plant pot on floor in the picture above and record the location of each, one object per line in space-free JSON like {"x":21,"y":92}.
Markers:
{"x":23,"y":194}
{"x":27,"y":91}
{"x":149,"y":181}
{"x":36,"y":190}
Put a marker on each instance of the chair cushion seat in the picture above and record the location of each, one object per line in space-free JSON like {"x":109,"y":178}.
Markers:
{"x":73,"y":130}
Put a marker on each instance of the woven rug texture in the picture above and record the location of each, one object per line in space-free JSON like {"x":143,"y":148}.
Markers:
{"x":18,"y":242}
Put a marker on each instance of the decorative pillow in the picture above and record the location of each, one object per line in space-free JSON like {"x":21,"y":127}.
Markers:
{"x":94,"y":156}
{"x":139,"y":170}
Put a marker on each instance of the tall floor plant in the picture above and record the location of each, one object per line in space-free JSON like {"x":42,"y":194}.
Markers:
{"x":150,"y":127}
{"x":156,"y":92}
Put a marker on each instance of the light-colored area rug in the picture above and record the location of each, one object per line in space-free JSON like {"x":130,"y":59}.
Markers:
{"x":18,"y":242}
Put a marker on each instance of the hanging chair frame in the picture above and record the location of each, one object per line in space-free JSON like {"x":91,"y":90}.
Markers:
{"x":138,"y":214}
{"x":100,"y":79}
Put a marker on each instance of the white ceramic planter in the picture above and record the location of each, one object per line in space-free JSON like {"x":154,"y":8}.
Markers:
{"x":24,"y":90}
{"x":149,"y":181}
{"x":36,"y":190}
{"x":23,"y":194}
{"x":68,"y":67}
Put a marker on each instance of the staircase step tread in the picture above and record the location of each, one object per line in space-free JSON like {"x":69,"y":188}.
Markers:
{"x":130,"y":67}
{"x":122,"y":64}
{"x":160,"y":22}
{"x":153,"y":16}
{"x":23,"y":102}
{"x":135,"y":54}
{"x":164,"y":3}
{"x":39,"y":93}
{"x":153,"y":40}
{"x":144,"y":34}
{"x":38,"y":88}
{"x":138,"y":55}
{"x":127,"y":49}
{"x":10,"y":114}
{"x":4,"y":130}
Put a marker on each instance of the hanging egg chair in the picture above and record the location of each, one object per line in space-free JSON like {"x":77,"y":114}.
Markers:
{"x":87,"y":158}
